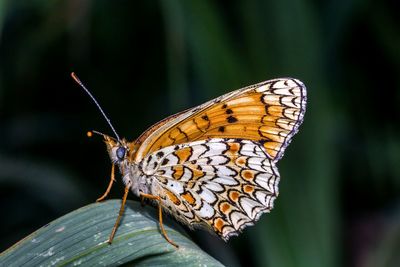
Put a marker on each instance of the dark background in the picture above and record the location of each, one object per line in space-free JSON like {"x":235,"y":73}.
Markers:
{"x":144,"y":60}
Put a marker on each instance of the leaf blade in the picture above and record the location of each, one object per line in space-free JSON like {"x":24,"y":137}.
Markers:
{"x":80,"y":237}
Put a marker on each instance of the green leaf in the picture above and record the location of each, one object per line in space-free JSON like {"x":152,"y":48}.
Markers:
{"x":80,"y":238}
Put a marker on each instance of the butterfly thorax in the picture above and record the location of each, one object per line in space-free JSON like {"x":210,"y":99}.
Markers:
{"x":122,"y":154}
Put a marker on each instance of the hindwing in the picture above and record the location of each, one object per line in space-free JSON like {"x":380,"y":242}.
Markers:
{"x":220,"y":184}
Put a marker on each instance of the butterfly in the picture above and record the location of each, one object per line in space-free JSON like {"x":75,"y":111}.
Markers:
{"x":212,"y":166}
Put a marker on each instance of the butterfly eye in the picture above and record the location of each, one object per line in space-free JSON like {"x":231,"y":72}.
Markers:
{"x":121,"y":152}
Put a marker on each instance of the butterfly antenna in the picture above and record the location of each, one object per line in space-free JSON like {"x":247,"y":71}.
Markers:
{"x":76,"y":79}
{"x":90,"y":134}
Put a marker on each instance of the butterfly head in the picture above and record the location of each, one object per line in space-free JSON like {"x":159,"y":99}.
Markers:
{"x":118,"y":150}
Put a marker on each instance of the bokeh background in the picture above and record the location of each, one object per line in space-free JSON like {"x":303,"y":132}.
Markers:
{"x":144,"y":60}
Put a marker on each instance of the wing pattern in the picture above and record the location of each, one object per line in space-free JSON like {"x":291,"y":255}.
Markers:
{"x":222,"y":184}
{"x":269,"y":113}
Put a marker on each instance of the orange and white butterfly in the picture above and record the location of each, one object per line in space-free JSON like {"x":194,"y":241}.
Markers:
{"x":214,"y":165}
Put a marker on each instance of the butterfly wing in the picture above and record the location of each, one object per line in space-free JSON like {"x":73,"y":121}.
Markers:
{"x":268,"y":113}
{"x":223,"y":185}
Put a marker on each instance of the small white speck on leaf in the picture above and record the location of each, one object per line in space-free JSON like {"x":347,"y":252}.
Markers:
{"x":54,"y":262}
{"x":58,"y":230}
{"x":78,"y":262}
{"x":129,"y":224}
{"x":97,"y":236}
{"x":48,"y":253}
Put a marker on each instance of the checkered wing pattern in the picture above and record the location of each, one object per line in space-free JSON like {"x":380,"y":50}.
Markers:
{"x":219,"y":184}
{"x":213,"y":166}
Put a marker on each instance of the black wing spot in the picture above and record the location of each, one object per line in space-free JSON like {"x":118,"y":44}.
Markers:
{"x":221,"y":129}
{"x":224,"y":106}
{"x":165,"y":162}
{"x":149,"y":159}
{"x":205,"y":117}
{"x":229,"y":111}
{"x":262,"y":141}
{"x":231,"y":119}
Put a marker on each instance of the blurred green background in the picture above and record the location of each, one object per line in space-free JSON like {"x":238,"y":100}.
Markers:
{"x":144,"y":60}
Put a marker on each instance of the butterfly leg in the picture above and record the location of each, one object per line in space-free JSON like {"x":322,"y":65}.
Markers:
{"x":157,"y":198}
{"x":121,"y":212}
{"x":142,"y":201}
{"x":112,"y":180}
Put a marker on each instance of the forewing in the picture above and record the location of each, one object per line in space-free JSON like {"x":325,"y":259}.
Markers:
{"x":221,"y":184}
{"x":268,"y":113}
